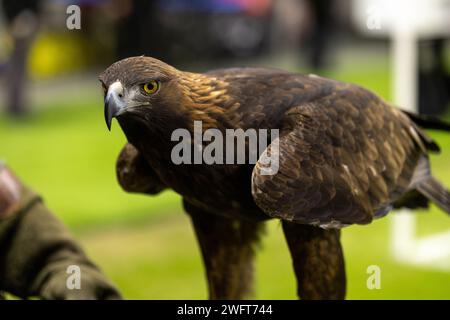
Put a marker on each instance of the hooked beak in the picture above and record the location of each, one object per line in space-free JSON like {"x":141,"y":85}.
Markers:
{"x":114,"y":102}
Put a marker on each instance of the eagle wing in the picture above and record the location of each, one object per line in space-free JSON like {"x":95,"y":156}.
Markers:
{"x":343,"y":159}
{"x":134,"y":174}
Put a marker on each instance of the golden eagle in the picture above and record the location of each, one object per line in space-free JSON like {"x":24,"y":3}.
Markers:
{"x":344,"y":157}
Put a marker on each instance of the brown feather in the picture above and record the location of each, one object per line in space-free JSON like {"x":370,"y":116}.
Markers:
{"x":346,"y":156}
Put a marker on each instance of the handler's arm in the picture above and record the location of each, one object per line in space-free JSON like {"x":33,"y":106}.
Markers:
{"x":36,"y":250}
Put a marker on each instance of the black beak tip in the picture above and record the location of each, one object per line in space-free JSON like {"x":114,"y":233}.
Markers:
{"x":109,"y":114}
{"x":108,"y":121}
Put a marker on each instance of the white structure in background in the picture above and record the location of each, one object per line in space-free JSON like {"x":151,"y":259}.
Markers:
{"x":404,"y":22}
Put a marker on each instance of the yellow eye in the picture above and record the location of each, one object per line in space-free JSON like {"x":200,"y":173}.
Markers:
{"x":151,"y":87}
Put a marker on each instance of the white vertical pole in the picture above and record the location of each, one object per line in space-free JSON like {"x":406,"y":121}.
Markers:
{"x":404,"y":54}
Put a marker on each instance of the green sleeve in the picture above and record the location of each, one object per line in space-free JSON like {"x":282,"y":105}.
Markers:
{"x":36,"y":252}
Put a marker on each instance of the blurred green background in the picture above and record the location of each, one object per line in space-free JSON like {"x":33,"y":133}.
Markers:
{"x":145,"y":244}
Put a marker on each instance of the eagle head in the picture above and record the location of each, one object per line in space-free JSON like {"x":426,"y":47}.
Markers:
{"x":134,"y":87}
{"x":144,"y":90}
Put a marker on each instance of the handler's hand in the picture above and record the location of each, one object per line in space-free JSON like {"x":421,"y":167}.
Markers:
{"x":93,"y":285}
{"x":38,"y":252}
